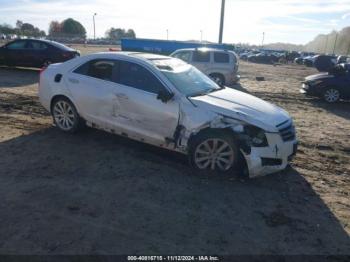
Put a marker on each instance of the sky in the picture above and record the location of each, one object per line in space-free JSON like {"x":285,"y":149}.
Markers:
{"x":289,"y":21}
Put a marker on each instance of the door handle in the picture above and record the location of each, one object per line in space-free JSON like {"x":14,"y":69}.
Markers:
{"x":73,"y":80}
{"x":122,"y":95}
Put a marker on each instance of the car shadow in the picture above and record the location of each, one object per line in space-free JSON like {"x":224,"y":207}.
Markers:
{"x":97,"y":193}
{"x":17,"y":77}
{"x":341,"y":108}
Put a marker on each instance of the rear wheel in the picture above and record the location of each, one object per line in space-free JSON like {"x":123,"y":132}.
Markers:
{"x":65,"y":115}
{"x":331,"y":95}
{"x":218,"y":78}
{"x":214,"y":151}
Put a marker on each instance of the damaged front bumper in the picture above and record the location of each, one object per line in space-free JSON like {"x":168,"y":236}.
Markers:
{"x":273,"y":158}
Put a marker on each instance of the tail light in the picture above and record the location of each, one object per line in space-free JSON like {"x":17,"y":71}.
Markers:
{"x":42,"y":70}
{"x":40,"y":73}
{"x":68,"y":55}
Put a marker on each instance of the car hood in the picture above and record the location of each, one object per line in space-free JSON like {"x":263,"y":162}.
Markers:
{"x":318,"y":77}
{"x":239,"y":105}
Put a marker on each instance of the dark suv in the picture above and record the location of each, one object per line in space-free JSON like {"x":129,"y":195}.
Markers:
{"x":35,"y":53}
{"x":330,"y":86}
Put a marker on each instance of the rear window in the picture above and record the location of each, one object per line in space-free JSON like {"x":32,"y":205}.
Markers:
{"x":201,"y":57}
{"x":36,"y":45}
{"x":101,"y":69}
{"x":220,"y":57}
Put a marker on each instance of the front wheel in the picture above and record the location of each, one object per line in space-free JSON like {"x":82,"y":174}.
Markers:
{"x":214,"y":151}
{"x":65,"y":115}
{"x":218,"y":78}
{"x":331,"y":95}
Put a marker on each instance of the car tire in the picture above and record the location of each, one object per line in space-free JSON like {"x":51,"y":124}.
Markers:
{"x":218,"y":78}
{"x":331,"y":95}
{"x":214,"y":151}
{"x":65,"y":115}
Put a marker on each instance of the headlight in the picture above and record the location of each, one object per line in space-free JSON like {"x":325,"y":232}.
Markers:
{"x":256,"y":135}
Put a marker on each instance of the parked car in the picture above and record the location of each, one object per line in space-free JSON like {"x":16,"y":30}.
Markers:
{"x":263,"y":58}
{"x":35,"y":53}
{"x":331,"y":86}
{"x":324,"y":63}
{"x":299,"y":60}
{"x":220,"y":65}
{"x":170,"y":104}
{"x":341,"y":59}
{"x":309,"y":61}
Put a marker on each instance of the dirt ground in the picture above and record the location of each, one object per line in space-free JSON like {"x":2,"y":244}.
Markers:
{"x":97,"y":193}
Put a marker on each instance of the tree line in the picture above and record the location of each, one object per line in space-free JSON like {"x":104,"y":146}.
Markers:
{"x":22,"y":29}
{"x":337,"y":42}
{"x":68,"y":28}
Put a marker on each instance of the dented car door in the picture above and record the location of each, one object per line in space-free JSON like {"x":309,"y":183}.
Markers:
{"x":138,"y":109}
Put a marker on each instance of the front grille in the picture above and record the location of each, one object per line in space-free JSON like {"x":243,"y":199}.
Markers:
{"x":286,"y":130}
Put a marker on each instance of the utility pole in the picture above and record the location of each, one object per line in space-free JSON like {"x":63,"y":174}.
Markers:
{"x":167,"y":34}
{"x":335,"y":43}
{"x":93,"y":18}
{"x":222,"y":20}
{"x":262,"y":42}
{"x":201,"y":36}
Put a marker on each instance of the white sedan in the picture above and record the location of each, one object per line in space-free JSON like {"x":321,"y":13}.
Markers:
{"x":167,"y":103}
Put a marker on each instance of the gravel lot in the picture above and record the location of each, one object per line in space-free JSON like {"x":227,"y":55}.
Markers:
{"x":97,"y":193}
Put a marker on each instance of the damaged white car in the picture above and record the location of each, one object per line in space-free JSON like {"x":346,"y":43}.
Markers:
{"x":167,"y":103}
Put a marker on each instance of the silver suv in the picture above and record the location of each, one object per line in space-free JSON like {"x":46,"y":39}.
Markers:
{"x":220,"y":65}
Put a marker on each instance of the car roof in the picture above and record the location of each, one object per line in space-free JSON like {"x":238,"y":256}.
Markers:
{"x":203,"y":49}
{"x":146,"y":57}
{"x":50,"y":42}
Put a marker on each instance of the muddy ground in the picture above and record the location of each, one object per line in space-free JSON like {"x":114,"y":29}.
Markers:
{"x":97,"y":193}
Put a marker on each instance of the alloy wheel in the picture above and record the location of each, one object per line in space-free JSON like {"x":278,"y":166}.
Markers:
{"x":214,"y":153}
{"x":64,"y":115}
{"x":217,"y":80}
{"x":331,"y":95}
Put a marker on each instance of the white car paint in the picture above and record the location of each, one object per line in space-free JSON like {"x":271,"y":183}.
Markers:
{"x":141,"y":116}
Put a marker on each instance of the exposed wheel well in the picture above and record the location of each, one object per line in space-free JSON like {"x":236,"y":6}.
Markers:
{"x":242,"y":164}
{"x":217,"y":74}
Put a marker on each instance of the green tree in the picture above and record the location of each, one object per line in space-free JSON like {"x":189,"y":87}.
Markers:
{"x":73,"y":28}
{"x":6,"y":29}
{"x":55,"y":29}
{"x":130,"y":33}
{"x":119,"y":33}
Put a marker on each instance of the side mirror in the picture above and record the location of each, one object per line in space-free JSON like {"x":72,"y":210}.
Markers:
{"x":164,"y":96}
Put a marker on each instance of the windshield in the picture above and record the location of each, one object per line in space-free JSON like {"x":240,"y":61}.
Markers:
{"x":190,"y":81}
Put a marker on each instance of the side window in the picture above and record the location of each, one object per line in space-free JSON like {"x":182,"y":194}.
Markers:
{"x":202,"y":57}
{"x":36,"y":45}
{"x":136,"y":76}
{"x":101,"y":69}
{"x":184,"y":56}
{"x":220,"y":57}
{"x":17,"y":45}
